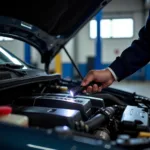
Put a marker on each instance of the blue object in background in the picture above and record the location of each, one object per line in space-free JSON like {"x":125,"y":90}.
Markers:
{"x":27,"y":53}
{"x":147,"y":72}
{"x":98,"y":64}
{"x":68,"y":67}
{"x":67,"y":70}
{"x":83,"y":69}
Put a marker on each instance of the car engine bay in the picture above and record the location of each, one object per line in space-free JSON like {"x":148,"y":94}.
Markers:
{"x":110,"y":115}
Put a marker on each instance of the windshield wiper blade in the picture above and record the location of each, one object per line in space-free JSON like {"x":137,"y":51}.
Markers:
{"x":12,"y":68}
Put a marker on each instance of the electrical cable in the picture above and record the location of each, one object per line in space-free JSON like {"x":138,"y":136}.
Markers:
{"x":75,"y":66}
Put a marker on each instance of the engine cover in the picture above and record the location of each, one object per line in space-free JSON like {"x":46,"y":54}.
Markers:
{"x":81,"y":104}
{"x":96,"y":102}
{"x":49,"y":117}
{"x":135,"y":118}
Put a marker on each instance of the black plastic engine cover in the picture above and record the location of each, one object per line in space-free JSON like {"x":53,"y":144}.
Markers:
{"x":135,"y":118}
{"x":49,"y":117}
{"x":96,"y":102}
{"x":81,"y":104}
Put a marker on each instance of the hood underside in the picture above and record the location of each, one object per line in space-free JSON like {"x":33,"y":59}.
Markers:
{"x":47,"y":25}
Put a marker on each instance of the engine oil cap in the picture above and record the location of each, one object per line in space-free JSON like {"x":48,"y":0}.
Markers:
{"x":5,"y":110}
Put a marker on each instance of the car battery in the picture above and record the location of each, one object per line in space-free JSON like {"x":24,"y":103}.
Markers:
{"x":46,"y":117}
{"x":81,"y":104}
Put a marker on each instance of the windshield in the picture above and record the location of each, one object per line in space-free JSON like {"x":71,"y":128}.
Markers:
{"x":7,"y":57}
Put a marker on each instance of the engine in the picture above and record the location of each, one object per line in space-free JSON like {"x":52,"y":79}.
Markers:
{"x":111,"y":115}
{"x":83,"y":114}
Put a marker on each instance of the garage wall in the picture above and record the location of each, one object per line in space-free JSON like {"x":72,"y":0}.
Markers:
{"x":36,"y":58}
{"x":121,"y":9}
{"x":109,"y":46}
{"x":16,"y":47}
{"x":116,"y":9}
{"x":67,"y":67}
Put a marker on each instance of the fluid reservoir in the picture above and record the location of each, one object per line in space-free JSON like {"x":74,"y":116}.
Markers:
{"x":6,"y":116}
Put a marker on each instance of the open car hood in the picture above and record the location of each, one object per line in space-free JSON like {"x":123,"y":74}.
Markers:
{"x":47,"y":26}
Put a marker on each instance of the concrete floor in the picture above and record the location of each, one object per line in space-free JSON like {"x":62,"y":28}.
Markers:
{"x":142,"y":88}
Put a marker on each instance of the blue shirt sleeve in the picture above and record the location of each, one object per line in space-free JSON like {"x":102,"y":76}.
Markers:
{"x":136,"y":56}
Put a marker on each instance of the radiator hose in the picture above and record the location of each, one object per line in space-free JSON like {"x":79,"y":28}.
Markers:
{"x":103,"y":116}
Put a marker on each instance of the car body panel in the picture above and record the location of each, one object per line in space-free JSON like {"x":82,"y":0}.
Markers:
{"x":48,"y":26}
{"x":16,"y":138}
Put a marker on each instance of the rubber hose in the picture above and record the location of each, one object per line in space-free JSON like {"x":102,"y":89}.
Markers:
{"x":111,"y":98}
{"x":96,"y":121}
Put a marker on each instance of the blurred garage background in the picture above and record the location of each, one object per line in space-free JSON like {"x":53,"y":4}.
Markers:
{"x":97,"y":44}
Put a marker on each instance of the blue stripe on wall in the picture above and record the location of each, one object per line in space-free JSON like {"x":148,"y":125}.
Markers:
{"x":67,"y":70}
{"x":98,"y":44}
{"x":27,"y":53}
{"x":83,"y":69}
{"x":147,"y":72}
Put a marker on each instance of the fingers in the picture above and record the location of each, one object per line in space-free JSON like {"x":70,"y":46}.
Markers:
{"x":93,"y":89}
{"x":89,"y":89}
{"x":103,"y":76}
{"x":84,"y":91}
{"x":89,"y":78}
{"x":105,"y":85}
{"x":100,"y":89}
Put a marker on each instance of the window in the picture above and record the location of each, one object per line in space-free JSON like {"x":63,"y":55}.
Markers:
{"x":93,"y":27}
{"x":106,"y":28}
{"x":113,"y":28}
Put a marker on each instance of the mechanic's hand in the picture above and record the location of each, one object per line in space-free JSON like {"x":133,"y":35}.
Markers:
{"x":103,"y":76}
